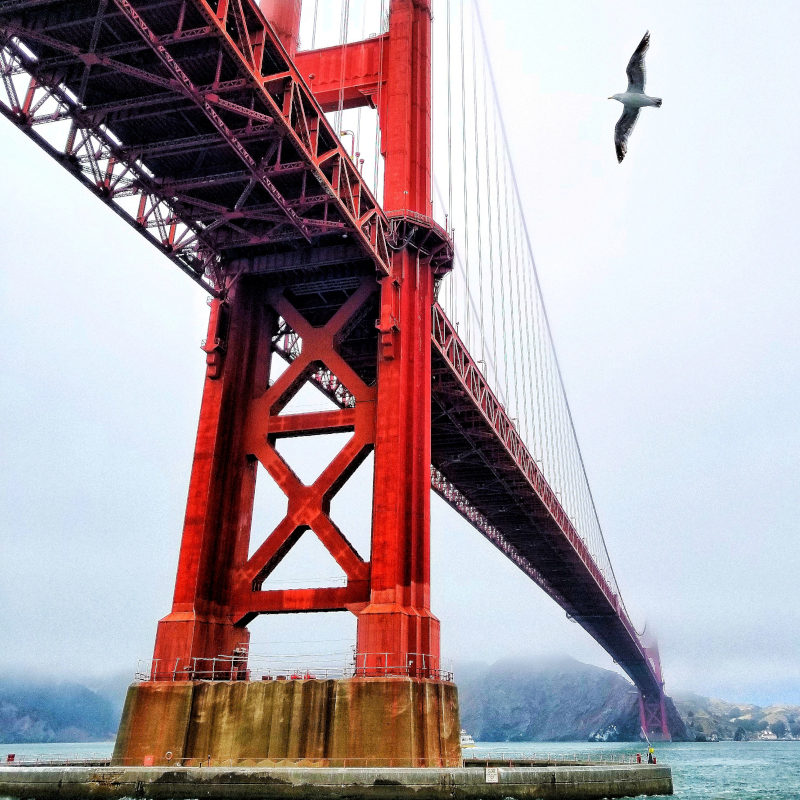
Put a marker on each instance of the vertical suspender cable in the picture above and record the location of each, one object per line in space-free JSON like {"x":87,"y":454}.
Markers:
{"x":524,"y":334}
{"x":490,"y":257}
{"x":345,"y":25}
{"x":544,"y":312}
{"x":465,"y":222}
{"x":501,"y":265}
{"x":360,"y":109}
{"x":381,"y":32}
{"x":514,"y":305}
{"x":314,"y":28}
{"x":481,"y":287}
{"x":449,"y":142}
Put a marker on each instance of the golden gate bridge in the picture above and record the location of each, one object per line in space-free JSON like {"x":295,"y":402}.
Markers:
{"x":256,"y":168}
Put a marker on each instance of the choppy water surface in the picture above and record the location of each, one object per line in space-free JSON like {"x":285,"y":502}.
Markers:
{"x":712,"y":771}
{"x":50,"y":750}
{"x":700,"y":771}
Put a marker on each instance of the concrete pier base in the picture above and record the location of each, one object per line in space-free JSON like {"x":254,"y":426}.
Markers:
{"x":182,"y":783}
{"x":359,"y":722}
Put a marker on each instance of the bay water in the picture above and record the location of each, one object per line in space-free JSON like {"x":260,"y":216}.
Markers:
{"x":700,"y":771}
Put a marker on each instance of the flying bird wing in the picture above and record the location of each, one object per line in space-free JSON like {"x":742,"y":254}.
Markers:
{"x":623,"y":130}
{"x":635,"y":68}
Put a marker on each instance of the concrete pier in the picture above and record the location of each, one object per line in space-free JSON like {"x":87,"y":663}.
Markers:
{"x":361,"y":722}
{"x":325,"y":783}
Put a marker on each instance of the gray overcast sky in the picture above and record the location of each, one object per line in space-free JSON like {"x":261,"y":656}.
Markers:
{"x":672,"y":287}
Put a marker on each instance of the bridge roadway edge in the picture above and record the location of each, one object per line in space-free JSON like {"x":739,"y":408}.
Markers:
{"x":334,"y":783}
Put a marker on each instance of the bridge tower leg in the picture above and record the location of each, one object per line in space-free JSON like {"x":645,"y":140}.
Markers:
{"x":216,"y":529}
{"x":397,"y":708}
{"x":398,"y":620}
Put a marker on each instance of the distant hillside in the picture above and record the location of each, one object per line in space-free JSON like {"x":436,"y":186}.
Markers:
{"x":510,"y":701}
{"x":550,"y":700}
{"x":708,"y":719}
{"x":48,"y":711}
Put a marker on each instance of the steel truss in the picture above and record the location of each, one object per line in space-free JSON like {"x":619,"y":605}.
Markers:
{"x":92,"y":154}
{"x":259,"y":167}
{"x":317,"y":360}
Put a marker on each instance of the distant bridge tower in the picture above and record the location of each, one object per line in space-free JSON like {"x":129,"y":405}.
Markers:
{"x":652,"y":706}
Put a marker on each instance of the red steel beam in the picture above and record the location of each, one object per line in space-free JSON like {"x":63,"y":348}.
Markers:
{"x":351,"y":74}
{"x":398,"y":619}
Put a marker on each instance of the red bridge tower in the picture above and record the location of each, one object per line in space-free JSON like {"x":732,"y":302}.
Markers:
{"x":365,"y":340}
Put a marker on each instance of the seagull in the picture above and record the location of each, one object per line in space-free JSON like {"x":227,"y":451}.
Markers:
{"x":633,"y":99}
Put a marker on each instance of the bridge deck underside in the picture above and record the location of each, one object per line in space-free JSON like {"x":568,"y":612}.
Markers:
{"x":200,"y":117}
{"x":468,"y":452}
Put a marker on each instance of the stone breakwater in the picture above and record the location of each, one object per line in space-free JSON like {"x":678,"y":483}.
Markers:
{"x":326,"y":783}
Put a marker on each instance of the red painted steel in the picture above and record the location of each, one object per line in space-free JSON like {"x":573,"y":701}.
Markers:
{"x":355,"y":83}
{"x":652,"y":705}
{"x":218,"y":589}
{"x":190,"y":121}
{"x":229,"y":156}
{"x":308,"y":505}
{"x":284,"y":16}
{"x":398,"y":619}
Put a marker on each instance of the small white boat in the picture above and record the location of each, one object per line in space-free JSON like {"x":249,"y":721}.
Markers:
{"x":466,"y":740}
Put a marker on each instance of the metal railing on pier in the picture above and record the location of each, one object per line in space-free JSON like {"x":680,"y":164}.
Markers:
{"x":55,"y":760}
{"x":247,"y":667}
{"x":518,"y":758}
{"x":513,"y":759}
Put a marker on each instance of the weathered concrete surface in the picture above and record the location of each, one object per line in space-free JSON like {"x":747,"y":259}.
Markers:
{"x":182,"y":783}
{"x":155,"y":719}
{"x":397,"y":722}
